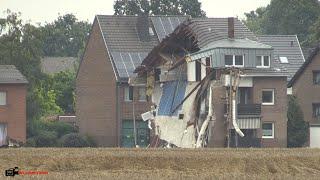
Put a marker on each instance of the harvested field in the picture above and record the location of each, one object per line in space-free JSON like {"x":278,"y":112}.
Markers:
{"x":105,"y":163}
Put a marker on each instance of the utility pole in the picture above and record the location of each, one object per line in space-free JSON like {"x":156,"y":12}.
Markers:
{"x":134,"y":119}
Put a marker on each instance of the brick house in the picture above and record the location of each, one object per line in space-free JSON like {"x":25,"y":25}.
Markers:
{"x":117,"y":45}
{"x":306,"y":87}
{"x":200,"y":49}
{"x":13,"y":90}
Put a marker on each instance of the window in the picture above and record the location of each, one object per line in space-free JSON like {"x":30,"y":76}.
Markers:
{"x":268,"y":130}
{"x":316,"y":77}
{"x":142,"y":94}
{"x":3,"y":134}
{"x":157,"y":73}
{"x":3,"y":98}
{"x":316,"y":109}
{"x":151,"y":31}
{"x":263,"y":61}
{"x":233,"y":60}
{"x":267,"y":97}
{"x":283,"y":60}
{"x":128,"y":93}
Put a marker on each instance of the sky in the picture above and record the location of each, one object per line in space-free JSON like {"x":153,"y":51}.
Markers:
{"x":45,"y":11}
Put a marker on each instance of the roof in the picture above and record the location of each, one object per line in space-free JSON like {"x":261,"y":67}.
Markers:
{"x":313,"y":53}
{"x":9,"y":74}
{"x":51,"y":65}
{"x":285,"y":46}
{"x":213,"y":29}
{"x":123,"y":39}
{"x":229,"y":43}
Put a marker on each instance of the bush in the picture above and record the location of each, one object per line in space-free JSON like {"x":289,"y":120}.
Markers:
{"x":61,"y":128}
{"x":46,"y":139}
{"x":31,"y":142}
{"x":76,"y":140}
{"x":297,"y":127}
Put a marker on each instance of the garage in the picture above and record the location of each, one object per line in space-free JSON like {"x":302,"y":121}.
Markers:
{"x":315,"y":136}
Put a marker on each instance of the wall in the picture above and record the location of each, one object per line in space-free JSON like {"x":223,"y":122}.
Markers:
{"x":96,"y":92}
{"x":306,"y":92}
{"x":276,"y":113}
{"x":14,"y":113}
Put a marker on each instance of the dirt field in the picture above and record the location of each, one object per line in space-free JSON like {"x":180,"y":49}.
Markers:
{"x":104,"y":163}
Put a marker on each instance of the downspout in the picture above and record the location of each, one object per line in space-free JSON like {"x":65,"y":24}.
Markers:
{"x":119,"y":122}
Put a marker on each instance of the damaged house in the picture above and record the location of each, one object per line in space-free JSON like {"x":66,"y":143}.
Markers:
{"x":181,"y":62}
{"x":218,"y":87}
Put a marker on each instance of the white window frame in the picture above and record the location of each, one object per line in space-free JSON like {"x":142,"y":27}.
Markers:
{"x":127,"y":94}
{"x":268,"y":137}
{"x":262,"y":62}
{"x":267,"y":103}
{"x":145,"y":94}
{"x":5,"y":98}
{"x":233,"y":60}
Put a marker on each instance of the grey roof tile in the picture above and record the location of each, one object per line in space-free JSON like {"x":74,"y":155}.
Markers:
{"x":9,"y":74}
{"x":51,"y":65}
{"x":285,"y":46}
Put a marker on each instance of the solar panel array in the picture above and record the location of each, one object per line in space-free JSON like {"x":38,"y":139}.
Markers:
{"x":166,"y":25}
{"x":172,"y":95}
{"x":126,"y":62}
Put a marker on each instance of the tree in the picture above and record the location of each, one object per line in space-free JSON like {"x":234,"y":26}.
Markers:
{"x":297,"y":127}
{"x":66,"y":36}
{"x":284,"y":17}
{"x":159,"y":7}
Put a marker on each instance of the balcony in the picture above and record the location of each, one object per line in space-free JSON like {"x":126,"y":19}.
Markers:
{"x":247,"y":109}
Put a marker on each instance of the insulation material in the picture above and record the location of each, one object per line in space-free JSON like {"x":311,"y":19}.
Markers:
{"x":176,"y":131}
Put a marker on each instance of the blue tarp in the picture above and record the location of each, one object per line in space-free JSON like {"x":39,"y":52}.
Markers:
{"x":172,"y":94}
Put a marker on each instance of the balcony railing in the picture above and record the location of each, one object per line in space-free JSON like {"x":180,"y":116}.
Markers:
{"x":248,"y":109}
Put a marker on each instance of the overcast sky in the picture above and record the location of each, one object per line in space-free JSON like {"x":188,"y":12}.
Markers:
{"x":48,"y":10}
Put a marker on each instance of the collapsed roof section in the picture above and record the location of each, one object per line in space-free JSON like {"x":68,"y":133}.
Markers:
{"x":191,"y":36}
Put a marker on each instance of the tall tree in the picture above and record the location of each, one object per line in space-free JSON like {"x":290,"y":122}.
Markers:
{"x":159,"y":7}
{"x":66,"y":36}
{"x":297,"y":127}
{"x":285,"y":17}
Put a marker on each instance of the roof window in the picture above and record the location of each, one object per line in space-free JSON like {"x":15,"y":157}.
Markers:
{"x":284,"y":60}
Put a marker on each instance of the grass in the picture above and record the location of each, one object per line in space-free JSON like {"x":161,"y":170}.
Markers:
{"x":114,"y":163}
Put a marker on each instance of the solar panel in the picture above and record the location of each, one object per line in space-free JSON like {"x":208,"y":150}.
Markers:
{"x":172,"y":95}
{"x":126,"y":62}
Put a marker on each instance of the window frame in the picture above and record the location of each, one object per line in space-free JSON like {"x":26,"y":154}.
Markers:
{"x":127,"y":90}
{"x":268,"y":137}
{"x":233,"y":60}
{"x":262,"y":58}
{"x":273,"y":98}
{"x":314,"y":106}
{"x":145,"y":94}
{"x":314,"y":74}
{"x":6,"y":98}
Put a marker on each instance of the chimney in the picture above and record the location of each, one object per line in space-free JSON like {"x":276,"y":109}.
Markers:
{"x":143,"y":27}
{"x":231,"y":27}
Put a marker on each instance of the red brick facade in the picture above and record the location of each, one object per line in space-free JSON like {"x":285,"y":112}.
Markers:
{"x":13,"y":114}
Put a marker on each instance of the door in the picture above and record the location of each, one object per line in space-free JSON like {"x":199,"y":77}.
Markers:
{"x":315,"y":136}
{"x":142,"y":131}
{"x":3,"y":134}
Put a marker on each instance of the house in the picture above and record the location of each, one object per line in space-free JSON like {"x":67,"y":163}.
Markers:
{"x":107,"y":104}
{"x":51,"y":65}
{"x":104,"y":99}
{"x":13,"y":91}
{"x":306,"y":87}
{"x":216,"y":86}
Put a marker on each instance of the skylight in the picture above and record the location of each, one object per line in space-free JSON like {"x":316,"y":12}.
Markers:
{"x":283,"y":59}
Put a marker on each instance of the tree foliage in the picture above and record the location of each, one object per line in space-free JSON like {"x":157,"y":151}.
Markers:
{"x":159,"y":7}
{"x":66,"y":36}
{"x":297,"y":127}
{"x":285,"y":17}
